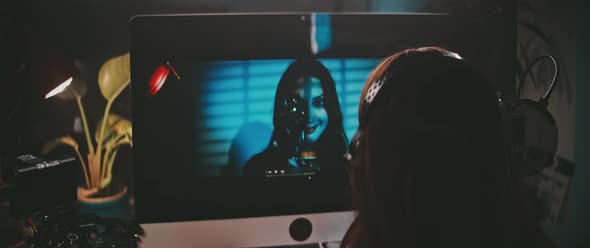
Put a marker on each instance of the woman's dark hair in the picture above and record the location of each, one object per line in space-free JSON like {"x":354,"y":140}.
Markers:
{"x":430,"y":168}
{"x":333,"y":140}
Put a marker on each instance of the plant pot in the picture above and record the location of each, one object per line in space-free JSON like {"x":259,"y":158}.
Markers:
{"x":113,"y":206}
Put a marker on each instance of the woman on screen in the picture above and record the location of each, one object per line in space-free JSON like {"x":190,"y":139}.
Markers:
{"x":307,"y":120}
{"x":428,"y":162}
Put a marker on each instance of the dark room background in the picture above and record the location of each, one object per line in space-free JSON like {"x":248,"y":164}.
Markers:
{"x":89,"y":32}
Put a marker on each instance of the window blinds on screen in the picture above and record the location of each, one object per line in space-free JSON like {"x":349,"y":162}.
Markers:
{"x":241,"y":93}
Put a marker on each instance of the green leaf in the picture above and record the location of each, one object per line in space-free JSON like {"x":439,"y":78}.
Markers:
{"x":78,"y":86}
{"x":124,"y":141}
{"x":113,"y":76}
{"x":130,"y":139}
{"x":66,"y":140}
{"x":117,"y":126}
{"x":123,"y":127}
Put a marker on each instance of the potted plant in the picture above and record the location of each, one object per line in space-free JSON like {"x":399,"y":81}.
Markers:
{"x":111,"y":133}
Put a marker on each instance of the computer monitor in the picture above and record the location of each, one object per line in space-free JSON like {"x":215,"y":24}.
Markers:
{"x":241,"y":121}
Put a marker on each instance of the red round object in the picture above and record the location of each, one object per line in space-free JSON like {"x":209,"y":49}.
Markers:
{"x":158,"y":79}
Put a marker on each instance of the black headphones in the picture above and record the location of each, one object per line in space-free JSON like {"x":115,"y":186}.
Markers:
{"x":532,"y":128}
{"x":398,"y":66}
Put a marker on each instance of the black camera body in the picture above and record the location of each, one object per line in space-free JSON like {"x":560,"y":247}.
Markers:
{"x":37,"y":185}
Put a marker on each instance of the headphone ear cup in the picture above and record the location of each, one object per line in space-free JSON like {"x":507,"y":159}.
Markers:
{"x":533,"y":136}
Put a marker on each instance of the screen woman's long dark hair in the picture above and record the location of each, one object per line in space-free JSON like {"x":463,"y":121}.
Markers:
{"x":430,"y":169}
{"x":332,"y":141}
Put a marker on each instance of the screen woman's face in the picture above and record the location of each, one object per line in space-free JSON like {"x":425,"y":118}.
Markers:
{"x":311,"y":90}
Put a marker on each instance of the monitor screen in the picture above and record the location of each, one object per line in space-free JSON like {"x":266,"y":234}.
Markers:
{"x":246,"y":115}
{"x":258,"y":118}
{"x":265,"y":129}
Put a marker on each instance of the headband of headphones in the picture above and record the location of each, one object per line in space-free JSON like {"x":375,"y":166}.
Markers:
{"x":408,"y":61}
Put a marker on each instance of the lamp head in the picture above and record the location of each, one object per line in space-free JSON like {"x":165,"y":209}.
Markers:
{"x":61,"y":87}
{"x":52,"y":71}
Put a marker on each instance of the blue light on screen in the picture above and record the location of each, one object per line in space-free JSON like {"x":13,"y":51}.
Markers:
{"x":321,"y":32}
{"x":238,"y":94}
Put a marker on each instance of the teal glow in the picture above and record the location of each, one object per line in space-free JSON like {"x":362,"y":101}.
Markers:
{"x":234,"y":69}
{"x":214,"y":147}
{"x":223,"y":97}
{"x":236,"y":83}
{"x":219,"y":135}
{"x":358,"y":74}
{"x":352,"y":98}
{"x":338,"y":78}
{"x":237,"y":103}
{"x":268,"y":67}
{"x":334,"y":64}
{"x":350,"y":132}
{"x":407,"y":6}
{"x":351,"y":122}
{"x":351,"y":110}
{"x":355,"y":87}
{"x":262,"y":82}
{"x":260,"y":107}
{"x":231,"y":121}
{"x":262,"y":94}
{"x":262,"y":118}
{"x":237,"y":108}
{"x":323,"y":32}
{"x":358,"y":63}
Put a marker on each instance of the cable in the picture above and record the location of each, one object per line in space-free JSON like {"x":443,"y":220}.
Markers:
{"x":545,"y":99}
{"x":550,"y":90}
